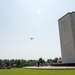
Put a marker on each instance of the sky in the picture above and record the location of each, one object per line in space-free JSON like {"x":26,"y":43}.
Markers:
{"x":21,"y":20}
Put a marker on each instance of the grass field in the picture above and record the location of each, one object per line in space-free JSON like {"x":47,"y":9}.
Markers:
{"x":22,"y":71}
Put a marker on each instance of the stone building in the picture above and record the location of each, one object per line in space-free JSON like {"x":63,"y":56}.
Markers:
{"x":67,"y":37}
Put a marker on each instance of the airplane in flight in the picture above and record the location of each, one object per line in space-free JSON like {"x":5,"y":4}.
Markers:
{"x":31,"y":38}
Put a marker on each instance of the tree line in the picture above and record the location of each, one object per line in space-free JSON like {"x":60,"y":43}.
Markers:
{"x":18,"y":63}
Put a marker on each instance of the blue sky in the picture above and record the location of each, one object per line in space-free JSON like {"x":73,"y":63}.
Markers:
{"x":22,"y":19}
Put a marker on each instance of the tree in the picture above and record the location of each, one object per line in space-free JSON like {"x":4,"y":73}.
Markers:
{"x":12,"y":62}
{"x":55,"y":60}
{"x":49,"y":61}
{"x":22,"y":63}
{"x":18,"y":63}
{"x":7,"y":64}
{"x":0,"y":63}
{"x":41,"y":61}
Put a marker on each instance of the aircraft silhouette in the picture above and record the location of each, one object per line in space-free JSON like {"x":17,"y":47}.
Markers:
{"x":31,"y":38}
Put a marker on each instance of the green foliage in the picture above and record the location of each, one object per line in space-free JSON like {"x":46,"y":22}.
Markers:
{"x":50,"y":61}
{"x":16,"y":63}
{"x":40,"y":62}
{"x":30,"y":63}
{"x":55,"y":60}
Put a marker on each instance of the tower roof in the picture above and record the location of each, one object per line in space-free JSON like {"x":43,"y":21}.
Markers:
{"x":66,"y":14}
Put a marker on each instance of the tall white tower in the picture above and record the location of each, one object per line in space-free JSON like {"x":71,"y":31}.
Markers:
{"x":67,"y":37}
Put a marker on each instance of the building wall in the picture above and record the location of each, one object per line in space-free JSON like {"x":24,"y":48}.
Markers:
{"x":67,"y":35}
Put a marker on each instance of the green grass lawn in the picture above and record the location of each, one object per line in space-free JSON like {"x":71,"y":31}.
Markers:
{"x":22,"y":71}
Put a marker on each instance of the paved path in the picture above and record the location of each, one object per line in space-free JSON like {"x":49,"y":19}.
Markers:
{"x":50,"y":67}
